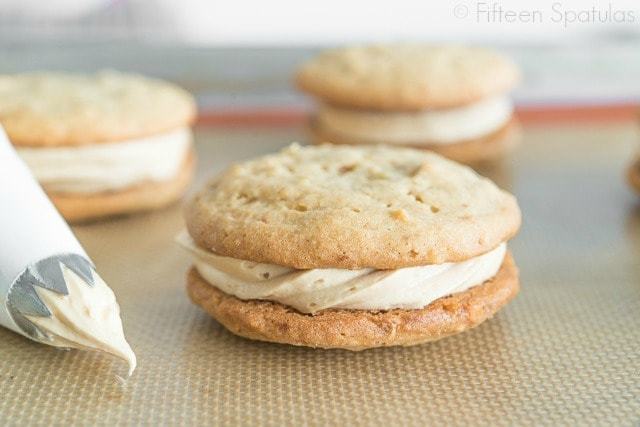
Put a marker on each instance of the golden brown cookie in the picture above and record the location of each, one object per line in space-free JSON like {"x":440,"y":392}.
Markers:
{"x":101,"y":144}
{"x":276,"y":241}
{"x":407,"y":77}
{"x":357,"y":329}
{"x":145,"y":196}
{"x":633,"y":175}
{"x":55,"y":109}
{"x":471,"y":152}
{"x":335,"y":206}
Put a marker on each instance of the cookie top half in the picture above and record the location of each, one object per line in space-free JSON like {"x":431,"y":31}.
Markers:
{"x":55,"y":109}
{"x":407,"y":76}
{"x":351,"y":207}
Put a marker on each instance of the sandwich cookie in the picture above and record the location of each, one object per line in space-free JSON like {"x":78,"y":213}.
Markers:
{"x":102,"y":144}
{"x":351,"y":247}
{"x":449,"y":99}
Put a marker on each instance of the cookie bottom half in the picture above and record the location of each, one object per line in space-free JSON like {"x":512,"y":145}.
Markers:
{"x":357,"y":329}
{"x":146,"y":196}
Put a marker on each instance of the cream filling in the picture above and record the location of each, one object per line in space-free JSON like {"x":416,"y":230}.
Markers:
{"x":109,"y":166}
{"x":309,"y":291}
{"x":87,"y":318}
{"x":441,"y":126}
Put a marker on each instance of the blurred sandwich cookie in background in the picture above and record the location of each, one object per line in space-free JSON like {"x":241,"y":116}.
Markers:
{"x":449,"y":99}
{"x":102,"y":144}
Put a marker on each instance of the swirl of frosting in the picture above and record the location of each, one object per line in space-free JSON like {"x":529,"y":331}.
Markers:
{"x":440,"y":126}
{"x":310,"y":291}
{"x":108,"y":166}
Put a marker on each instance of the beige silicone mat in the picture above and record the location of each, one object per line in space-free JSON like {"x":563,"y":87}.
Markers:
{"x":566,"y":351}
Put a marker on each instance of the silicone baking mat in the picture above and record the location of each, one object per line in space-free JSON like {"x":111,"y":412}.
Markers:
{"x":566,"y":351}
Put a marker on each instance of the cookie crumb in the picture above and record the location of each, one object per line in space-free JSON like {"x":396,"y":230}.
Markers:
{"x":418,"y":197}
{"x":347,"y":168}
{"x":377,"y":174}
{"x":399,"y":214}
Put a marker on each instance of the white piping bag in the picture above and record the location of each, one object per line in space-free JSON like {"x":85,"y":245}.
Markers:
{"x":49,"y":289}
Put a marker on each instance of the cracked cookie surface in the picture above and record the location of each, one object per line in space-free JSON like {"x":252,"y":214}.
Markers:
{"x":351,"y":207}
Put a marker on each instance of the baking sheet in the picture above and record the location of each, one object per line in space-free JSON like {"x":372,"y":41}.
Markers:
{"x":566,"y":351}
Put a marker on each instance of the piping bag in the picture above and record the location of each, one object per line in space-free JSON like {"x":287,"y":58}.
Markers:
{"x":50,"y":291}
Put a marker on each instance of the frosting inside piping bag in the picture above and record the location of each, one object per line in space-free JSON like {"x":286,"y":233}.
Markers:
{"x":87,"y":318}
